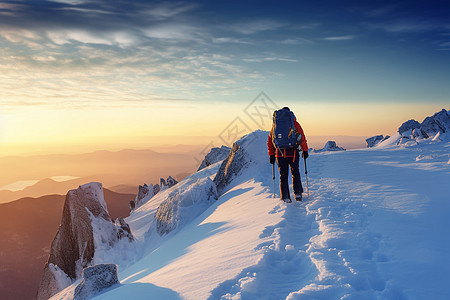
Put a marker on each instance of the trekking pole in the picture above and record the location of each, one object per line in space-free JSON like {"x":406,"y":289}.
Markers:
{"x":306,"y":174}
{"x":273,"y":165}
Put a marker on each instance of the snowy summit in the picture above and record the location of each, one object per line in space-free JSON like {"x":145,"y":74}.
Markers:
{"x":374,"y":227}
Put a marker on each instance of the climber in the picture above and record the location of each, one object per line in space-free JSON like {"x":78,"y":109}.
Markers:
{"x":285,"y":140}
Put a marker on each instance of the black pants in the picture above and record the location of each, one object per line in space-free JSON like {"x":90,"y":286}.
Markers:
{"x":283,"y":166}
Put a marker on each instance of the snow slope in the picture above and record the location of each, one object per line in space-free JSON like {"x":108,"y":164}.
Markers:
{"x":376,"y":226}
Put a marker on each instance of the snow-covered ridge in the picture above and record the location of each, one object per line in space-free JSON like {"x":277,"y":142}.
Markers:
{"x":372,"y":218}
{"x":170,"y":210}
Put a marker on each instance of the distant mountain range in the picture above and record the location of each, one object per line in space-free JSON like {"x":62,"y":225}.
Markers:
{"x":119,"y":171}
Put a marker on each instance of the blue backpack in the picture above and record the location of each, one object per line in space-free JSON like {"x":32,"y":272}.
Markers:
{"x":284,"y":132}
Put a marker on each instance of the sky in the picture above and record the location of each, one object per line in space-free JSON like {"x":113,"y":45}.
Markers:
{"x":132,"y":73}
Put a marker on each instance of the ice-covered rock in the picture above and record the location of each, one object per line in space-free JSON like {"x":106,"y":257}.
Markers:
{"x":188,"y":200}
{"x":85,"y":227}
{"x":171,"y":182}
{"x":123,"y":229}
{"x":437,"y":137}
{"x":431,"y":127}
{"x":96,"y":279}
{"x":185,"y":205}
{"x":375,"y":140}
{"x":215,"y":155}
{"x":156,"y":189}
{"x":419,"y":133}
{"x":145,"y":192}
{"x":408,"y":125}
{"x":162,"y":183}
{"x":331,"y":146}
{"x":439,"y":122}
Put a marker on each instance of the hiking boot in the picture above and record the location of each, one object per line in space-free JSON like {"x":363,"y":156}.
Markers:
{"x":298,"y":197}
{"x":287,"y":200}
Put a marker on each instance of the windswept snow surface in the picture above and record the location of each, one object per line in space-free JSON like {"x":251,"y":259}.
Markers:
{"x":376,"y":226}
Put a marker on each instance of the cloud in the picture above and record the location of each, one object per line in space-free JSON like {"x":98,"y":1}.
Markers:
{"x":71,"y":2}
{"x":230,"y":40}
{"x":20,"y":36}
{"x":340,"y":38}
{"x":111,"y":23}
{"x":295,"y":41}
{"x":48,"y":58}
{"x":167,"y":10}
{"x":268,"y":59}
{"x":174,"y":31}
{"x":99,"y":15}
{"x":90,"y":76}
{"x":116,"y":52}
{"x":62,"y":37}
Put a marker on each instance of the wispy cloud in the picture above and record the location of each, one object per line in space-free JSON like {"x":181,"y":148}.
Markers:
{"x":174,"y":31}
{"x":295,"y":41}
{"x":340,"y":38}
{"x":269,"y":59}
{"x":98,"y":75}
{"x":167,"y":10}
{"x":76,"y":52}
{"x":230,"y":40}
{"x":71,"y":2}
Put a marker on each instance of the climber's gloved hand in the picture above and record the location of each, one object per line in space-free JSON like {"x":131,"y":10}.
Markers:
{"x":272,"y":159}
{"x":305,"y":154}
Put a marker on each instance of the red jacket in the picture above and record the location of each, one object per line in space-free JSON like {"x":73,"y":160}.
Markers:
{"x":287,"y":152}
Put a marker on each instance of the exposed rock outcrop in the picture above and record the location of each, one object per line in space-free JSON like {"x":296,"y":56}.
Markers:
{"x":408,"y":125}
{"x":143,"y":191}
{"x":431,"y":127}
{"x":85,"y":227}
{"x":171,"y":182}
{"x":146,"y":192}
{"x":215,"y":155}
{"x":185,"y":205}
{"x":96,"y":279}
{"x":439,"y":122}
{"x":330,"y":146}
{"x":193,"y":195}
{"x":123,"y":229}
{"x":237,"y":159}
{"x":375,"y":140}
{"x":156,"y":189}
